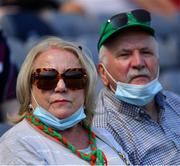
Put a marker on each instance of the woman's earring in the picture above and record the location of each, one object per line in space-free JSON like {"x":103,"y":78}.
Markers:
{"x":30,"y":108}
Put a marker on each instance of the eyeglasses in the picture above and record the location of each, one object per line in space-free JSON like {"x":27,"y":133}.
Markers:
{"x":47,"y":78}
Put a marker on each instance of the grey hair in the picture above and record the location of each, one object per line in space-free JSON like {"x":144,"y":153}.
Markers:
{"x":102,"y":57}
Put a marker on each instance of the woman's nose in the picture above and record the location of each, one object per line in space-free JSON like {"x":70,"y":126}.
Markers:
{"x":61,"y":86}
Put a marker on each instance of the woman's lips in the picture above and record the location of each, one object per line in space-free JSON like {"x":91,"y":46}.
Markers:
{"x":62,"y":101}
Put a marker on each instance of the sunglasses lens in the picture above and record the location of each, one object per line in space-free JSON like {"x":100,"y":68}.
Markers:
{"x":47,"y":80}
{"x":74,"y":79}
{"x":119,"y":20}
{"x":141,"y":15}
{"x":122,"y":19}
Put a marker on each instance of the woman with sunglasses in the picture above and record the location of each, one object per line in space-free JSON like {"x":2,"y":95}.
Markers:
{"x":55,"y":89}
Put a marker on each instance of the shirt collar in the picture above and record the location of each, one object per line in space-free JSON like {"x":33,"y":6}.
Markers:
{"x":132,"y":110}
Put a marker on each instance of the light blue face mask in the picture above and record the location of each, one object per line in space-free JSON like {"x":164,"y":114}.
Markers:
{"x":59,"y":124}
{"x":139,"y":95}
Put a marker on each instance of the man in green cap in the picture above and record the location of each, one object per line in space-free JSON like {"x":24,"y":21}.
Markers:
{"x":133,"y":110}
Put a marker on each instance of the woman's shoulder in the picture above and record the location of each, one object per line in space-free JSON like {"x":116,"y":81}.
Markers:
{"x":16,"y":130}
{"x":17,"y":147}
{"x":19,"y":134}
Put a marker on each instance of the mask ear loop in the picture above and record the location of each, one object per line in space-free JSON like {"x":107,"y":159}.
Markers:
{"x":30,"y":105}
{"x":35,"y":102}
{"x":111,"y":77}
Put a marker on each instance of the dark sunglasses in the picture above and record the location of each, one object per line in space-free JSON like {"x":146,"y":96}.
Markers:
{"x":119,"y":20}
{"x":140,"y":15}
{"x":47,"y":78}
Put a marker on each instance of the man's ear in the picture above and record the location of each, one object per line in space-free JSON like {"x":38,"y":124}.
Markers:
{"x":103,"y":74}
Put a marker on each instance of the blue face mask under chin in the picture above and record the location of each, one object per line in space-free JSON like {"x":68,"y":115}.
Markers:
{"x":139,"y":95}
{"x":59,"y":124}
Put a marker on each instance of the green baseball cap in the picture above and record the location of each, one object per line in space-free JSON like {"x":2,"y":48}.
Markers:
{"x":135,"y":18}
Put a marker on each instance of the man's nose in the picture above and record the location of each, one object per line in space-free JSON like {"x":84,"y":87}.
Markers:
{"x":138,"y":60}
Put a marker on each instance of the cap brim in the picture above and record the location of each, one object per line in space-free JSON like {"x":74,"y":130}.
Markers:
{"x":106,"y":36}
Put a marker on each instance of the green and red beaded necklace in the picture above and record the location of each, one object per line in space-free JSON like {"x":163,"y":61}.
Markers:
{"x":95,"y":157}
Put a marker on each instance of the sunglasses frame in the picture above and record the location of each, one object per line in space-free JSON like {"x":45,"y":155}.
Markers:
{"x":35,"y":77}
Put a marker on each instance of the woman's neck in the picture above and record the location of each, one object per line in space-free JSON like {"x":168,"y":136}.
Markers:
{"x":77,"y":136}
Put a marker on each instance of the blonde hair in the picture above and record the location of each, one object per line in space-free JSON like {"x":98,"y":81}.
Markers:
{"x":23,"y":87}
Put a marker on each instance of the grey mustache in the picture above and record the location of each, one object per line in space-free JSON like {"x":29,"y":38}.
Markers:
{"x":134,"y":73}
